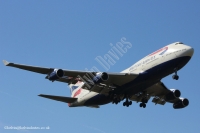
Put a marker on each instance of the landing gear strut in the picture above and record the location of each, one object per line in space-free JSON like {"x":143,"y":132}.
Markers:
{"x":143,"y":103}
{"x":176,"y":77}
{"x":127,"y":102}
{"x":115,"y":98}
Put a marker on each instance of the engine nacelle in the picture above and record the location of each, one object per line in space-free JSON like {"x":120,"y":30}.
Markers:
{"x":100,"y":77}
{"x":56,"y":74}
{"x":182,"y":103}
{"x":173,"y":95}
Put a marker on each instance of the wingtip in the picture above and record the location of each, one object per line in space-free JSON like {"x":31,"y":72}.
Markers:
{"x":42,"y":95}
{"x":6,"y":63}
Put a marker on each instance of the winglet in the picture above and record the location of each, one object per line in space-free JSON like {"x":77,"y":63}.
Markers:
{"x":6,"y":63}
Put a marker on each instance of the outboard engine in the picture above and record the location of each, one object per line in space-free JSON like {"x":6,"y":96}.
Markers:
{"x":182,"y":103}
{"x":56,"y":74}
{"x":100,"y":77}
{"x":173,"y":95}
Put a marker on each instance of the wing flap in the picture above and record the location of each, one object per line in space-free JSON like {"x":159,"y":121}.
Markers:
{"x":59,"y":98}
{"x":158,"y":101}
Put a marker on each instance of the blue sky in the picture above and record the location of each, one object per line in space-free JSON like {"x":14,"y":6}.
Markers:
{"x":70,"y":35}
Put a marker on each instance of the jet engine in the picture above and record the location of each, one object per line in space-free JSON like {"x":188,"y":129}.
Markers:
{"x":173,"y":94}
{"x":100,"y":77}
{"x":182,"y":103}
{"x":56,"y":74}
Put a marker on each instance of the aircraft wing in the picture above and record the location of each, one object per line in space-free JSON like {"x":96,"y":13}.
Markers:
{"x":117,"y":79}
{"x":158,"y":89}
{"x":160,"y":93}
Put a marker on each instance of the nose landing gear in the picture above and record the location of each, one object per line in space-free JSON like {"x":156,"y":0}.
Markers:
{"x":175,"y":77}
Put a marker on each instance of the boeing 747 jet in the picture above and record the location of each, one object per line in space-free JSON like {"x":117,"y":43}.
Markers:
{"x":138,"y":83}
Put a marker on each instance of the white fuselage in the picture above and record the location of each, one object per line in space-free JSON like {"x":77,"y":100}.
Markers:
{"x":165,"y":54}
{"x":173,"y":51}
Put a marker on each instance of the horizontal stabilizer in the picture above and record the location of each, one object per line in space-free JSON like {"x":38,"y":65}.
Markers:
{"x":59,"y":98}
{"x":6,"y":63}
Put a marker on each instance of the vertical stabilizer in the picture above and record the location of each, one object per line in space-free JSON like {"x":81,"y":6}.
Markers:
{"x":76,"y":89}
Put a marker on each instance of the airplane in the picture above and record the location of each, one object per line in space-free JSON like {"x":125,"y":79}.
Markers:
{"x":138,"y":83}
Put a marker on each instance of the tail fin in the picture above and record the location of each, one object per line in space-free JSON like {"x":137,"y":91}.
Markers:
{"x":76,"y":89}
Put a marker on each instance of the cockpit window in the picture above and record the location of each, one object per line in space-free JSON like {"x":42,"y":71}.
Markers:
{"x":178,"y":43}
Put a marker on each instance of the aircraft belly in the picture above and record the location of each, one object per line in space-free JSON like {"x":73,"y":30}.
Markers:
{"x":98,"y":99}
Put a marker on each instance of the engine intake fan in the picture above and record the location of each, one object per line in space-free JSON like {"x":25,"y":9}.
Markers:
{"x":100,"y":77}
{"x":56,"y":74}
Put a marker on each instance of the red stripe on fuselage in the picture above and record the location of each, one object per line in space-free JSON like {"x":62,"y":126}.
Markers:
{"x":158,"y":51}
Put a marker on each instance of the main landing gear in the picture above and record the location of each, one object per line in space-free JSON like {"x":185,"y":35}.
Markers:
{"x":127,"y":102}
{"x":143,"y":103}
{"x":116,"y":101}
{"x":175,"y":77}
{"x":115,"y":98}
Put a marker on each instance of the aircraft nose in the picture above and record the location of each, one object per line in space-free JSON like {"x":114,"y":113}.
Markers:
{"x":187,"y":51}
{"x":190,"y":51}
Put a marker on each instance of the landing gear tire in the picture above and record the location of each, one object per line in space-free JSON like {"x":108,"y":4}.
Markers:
{"x":127,"y":103}
{"x":176,"y":77}
{"x":114,"y":98}
{"x":124,"y":104}
{"x":143,"y":105}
